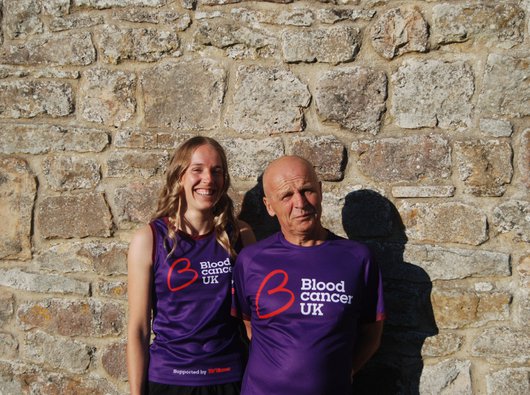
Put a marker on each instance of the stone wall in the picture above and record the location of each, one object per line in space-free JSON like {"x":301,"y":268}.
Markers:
{"x":414,"y":113}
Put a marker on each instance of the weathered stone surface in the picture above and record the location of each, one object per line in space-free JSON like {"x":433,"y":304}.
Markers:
{"x":334,"y":15}
{"x":501,"y":23}
{"x":431,"y":93}
{"x":513,"y":217}
{"x":524,"y":271}
{"x":505,"y":90}
{"x":17,"y":193}
{"x":59,"y":353}
{"x":69,"y":49}
{"x":40,"y":139}
{"x":71,"y":318}
{"x":295,"y":17}
{"x":415,"y":158}
{"x":65,"y":173}
{"x":451,"y":376}
{"x":114,"y":361}
{"x":21,"y":18}
{"x":136,"y":163}
{"x":108,"y":259}
{"x":69,"y":22}
{"x":484,"y":166}
{"x":512,"y":381}
{"x":423,"y":191}
{"x":149,"y":139}
{"x":456,"y":263}
{"x":56,"y":7}
{"x":450,"y":222}
{"x":328,"y":45}
{"x":522,"y":308}
{"x":79,"y":215}
{"x":441,"y":345}
{"x":147,"y":15}
{"x":524,"y":158}
{"x":239,"y":40}
{"x":27,"y":99}
{"x":247,"y":158}
{"x":352,"y":97}
{"x":267,"y":100}
{"x":40,"y":282}
{"x":116,"y":44}
{"x":169,"y":101}
{"x":461,"y":309}
{"x":112,"y":289}
{"x":107,"y":96}
{"x":326,"y":153}
{"x":502,"y":344}
{"x":399,"y":31}
{"x":8,"y":348}
{"x":496,"y":127}
{"x":101,"y":4}
{"x":6,"y":306}
{"x":136,"y":202}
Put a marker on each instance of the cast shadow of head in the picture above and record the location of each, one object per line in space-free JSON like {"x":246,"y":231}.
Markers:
{"x":396,"y":368}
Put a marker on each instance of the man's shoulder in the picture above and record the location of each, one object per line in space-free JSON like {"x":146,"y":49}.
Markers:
{"x":259,"y":246}
{"x":352,"y":246}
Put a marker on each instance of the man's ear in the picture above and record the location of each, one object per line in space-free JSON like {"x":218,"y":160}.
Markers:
{"x":268,"y":207}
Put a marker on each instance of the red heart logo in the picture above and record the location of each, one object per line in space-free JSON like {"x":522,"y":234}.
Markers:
{"x":279,"y":289}
{"x":185,"y":269}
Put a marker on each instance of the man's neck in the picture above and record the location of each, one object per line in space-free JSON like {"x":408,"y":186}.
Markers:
{"x":317,"y":237}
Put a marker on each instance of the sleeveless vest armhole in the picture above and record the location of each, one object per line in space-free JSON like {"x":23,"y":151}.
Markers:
{"x":153,"y":252}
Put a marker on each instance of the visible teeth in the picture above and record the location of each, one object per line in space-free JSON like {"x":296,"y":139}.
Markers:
{"x":204,"y":192}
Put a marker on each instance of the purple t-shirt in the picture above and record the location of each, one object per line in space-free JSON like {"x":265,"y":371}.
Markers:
{"x":305,"y":305}
{"x":197,"y":341}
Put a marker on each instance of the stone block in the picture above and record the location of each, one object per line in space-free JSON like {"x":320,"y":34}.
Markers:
{"x":112,"y":289}
{"x":513,"y":217}
{"x":502,"y":345}
{"x":500,"y":23}
{"x":68,"y":49}
{"x":102,"y":4}
{"x":353,"y":97}
{"x":334,"y":15}
{"x":484,"y":166}
{"x":87,"y":317}
{"x":149,"y":139}
{"x":116,"y":44}
{"x":435,"y":191}
{"x":326,"y":153}
{"x":56,"y":7}
{"x":148,"y":15}
{"x":524,"y":271}
{"x":451,"y":222}
{"x":248,"y":158}
{"x":505,"y":90}
{"x":59,"y":353}
{"x":524,"y":158}
{"x":496,"y":127}
{"x":442,"y":345}
{"x":107,"y":259}
{"x":41,"y":139}
{"x":398,"y":31}
{"x":267,"y":100}
{"x":40,"y":282}
{"x":451,"y":376}
{"x":114,"y":361}
{"x":333,"y":45}
{"x":66,"y":173}
{"x":511,"y":381}
{"x":79,"y":215}
{"x":282,"y":17}
{"x":136,"y":163}
{"x":27,"y":98}
{"x":8,"y":348}
{"x":456,"y":263}
{"x":75,"y":21}
{"x":107,"y":96}
{"x":22,"y":18}
{"x":18,"y":190}
{"x":170,"y":102}
{"x":432,"y":93}
{"x":414,"y":158}
{"x":7,"y":303}
{"x":136,"y":202}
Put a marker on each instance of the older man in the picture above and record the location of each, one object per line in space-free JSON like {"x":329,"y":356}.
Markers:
{"x":313,"y":299}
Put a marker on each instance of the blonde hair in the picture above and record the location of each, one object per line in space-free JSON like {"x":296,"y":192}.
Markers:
{"x":170,"y":200}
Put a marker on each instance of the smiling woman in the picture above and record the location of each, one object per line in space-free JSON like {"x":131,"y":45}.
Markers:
{"x":180,"y":273}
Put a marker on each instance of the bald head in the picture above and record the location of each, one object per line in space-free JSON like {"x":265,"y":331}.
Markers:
{"x":279,"y":167}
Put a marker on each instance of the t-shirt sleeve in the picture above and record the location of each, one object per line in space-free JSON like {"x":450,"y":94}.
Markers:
{"x":373,"y":306}
{"x":240,"y":307}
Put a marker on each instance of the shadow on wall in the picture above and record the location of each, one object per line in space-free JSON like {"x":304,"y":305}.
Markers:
{"x":372,"y":219}
{"x":396,"y":368}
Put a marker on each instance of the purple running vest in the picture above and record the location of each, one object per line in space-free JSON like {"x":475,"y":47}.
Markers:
{"x":305,"y":305}
{"x":196,"y":341}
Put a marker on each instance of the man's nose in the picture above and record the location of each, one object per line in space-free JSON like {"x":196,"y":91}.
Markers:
{"x":299,"y":200}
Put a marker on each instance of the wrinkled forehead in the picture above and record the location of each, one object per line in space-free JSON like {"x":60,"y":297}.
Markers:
{"x":288,"y":173}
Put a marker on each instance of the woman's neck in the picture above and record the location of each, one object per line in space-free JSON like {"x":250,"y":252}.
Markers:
{"x":196,"y":223}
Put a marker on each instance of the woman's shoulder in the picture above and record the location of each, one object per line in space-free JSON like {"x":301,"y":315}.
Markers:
{"x":245,"y":233}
